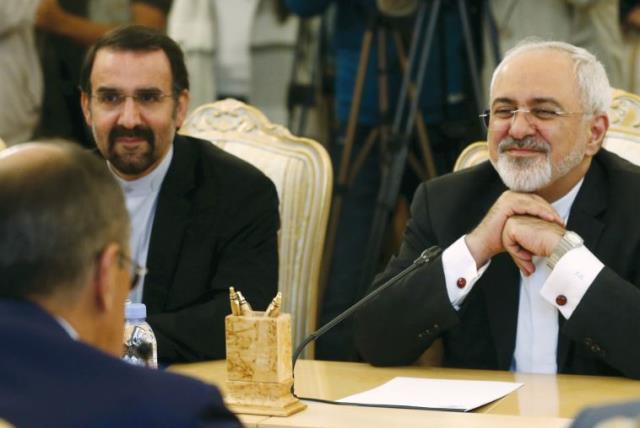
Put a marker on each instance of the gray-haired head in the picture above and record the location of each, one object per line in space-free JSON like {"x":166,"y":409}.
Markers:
{"x":60,"y":207}
{"x":592,"y":80}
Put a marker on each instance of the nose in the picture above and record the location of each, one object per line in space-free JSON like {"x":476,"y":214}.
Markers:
{"x":129,"y":114}
{"x":521,"y":125}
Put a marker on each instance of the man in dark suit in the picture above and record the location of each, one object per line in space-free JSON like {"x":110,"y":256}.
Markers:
{"x":539,"y":271}
{"x":202,"y":220}
{"x":66,"y":271}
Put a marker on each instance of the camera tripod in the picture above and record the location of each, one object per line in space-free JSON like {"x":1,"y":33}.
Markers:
{"x":350,"y":166}
{"x":404,"y":122}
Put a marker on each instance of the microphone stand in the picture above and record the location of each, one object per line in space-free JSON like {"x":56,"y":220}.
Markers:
{"x":425,"y":257}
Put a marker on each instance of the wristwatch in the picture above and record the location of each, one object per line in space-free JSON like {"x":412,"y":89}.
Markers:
{"x":569,"y":241}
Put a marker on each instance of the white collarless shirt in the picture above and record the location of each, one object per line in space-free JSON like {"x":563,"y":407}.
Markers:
{"x":537,"y":331}
{"x":141,"y":198}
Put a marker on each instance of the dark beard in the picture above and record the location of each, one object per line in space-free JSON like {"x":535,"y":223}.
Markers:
{"x":136,"y":162}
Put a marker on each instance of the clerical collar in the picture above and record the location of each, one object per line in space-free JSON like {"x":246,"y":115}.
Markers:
{"x":149,"y":183}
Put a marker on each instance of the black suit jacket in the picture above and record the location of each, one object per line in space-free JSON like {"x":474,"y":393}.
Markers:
{"x":601,"y":337}
{"x":215,"y":226}
{"x":47,"y":379}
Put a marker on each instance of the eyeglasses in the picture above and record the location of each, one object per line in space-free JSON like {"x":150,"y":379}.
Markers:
{"x":501,"y":118}
{"x":147,"y":99}
{"x":137,"y":271}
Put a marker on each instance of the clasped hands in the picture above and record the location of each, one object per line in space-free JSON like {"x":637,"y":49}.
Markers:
{"x":522,"y":224}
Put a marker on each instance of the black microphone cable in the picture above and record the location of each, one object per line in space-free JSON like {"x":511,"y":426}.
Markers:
{"x":425,"y":257}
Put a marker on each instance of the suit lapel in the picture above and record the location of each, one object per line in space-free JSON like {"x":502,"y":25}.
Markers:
{"x":169,"y":225}
{"x":590,"y":203}
{"x":500,"y":284}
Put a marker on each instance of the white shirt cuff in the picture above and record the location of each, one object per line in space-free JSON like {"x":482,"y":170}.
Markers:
{"x":460,"y":271}
{"x":570,"y":279}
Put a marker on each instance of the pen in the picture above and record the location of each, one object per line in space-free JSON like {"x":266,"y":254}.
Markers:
{"x":245,"y":308}
{"x":273,"y":310}
{"x":234,"y":301}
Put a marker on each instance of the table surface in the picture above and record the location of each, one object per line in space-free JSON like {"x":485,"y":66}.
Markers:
{"x":543,"y":401}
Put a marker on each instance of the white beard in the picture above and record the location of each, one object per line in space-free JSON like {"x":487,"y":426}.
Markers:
{"x":523,"y":174}
{"x":528,"y":174}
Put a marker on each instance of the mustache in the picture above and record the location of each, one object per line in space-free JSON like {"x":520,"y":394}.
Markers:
{"x":527,"y":143}
{"x":135,"y":132}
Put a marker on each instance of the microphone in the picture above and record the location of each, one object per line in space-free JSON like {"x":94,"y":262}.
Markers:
{"x":425,"y":257}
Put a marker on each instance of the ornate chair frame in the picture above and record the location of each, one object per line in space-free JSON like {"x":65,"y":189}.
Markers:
{"x":302,"y":173}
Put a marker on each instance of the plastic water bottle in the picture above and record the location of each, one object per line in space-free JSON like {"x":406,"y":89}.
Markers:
{"x":140,"y":347}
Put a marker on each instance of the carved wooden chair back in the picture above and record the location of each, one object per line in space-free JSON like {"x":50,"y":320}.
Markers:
{"x":301,"y":171}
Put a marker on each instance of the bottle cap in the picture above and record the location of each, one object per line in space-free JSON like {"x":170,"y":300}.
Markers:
{"x":135,"y":311}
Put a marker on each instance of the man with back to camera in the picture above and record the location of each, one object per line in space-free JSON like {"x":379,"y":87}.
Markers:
{"x":66,"y":271}
{"x":202,"y":219}
{"x":516,"y":289}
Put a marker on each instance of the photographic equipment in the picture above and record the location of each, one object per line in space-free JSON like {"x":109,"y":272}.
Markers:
{"x":401,"y":135}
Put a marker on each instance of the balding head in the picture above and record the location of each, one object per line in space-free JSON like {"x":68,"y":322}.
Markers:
{"x":60,"y":208}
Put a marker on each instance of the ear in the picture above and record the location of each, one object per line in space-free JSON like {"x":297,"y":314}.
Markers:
{"x":598,"y":126}
{"x":181,"y":108}
{"x":105,"y":280}
{"x":85,"y":101}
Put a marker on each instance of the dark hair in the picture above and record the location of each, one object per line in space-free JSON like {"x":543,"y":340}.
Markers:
{"x":138,"y":39}
{"x":55,"y":218}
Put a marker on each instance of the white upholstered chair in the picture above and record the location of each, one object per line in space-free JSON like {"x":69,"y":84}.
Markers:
{"x":301,"y":171}
{"x":472,"y":155}
{"x":623,"y":136}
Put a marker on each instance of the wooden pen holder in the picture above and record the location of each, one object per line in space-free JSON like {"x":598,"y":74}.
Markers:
{"x":259,"y":370}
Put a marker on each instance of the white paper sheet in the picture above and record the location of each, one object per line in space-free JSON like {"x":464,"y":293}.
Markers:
{"x":460,"y":395}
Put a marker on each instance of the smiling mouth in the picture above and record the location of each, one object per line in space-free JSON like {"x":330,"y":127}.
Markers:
{"x":516,"y":151}
{"x":130,"y":141}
